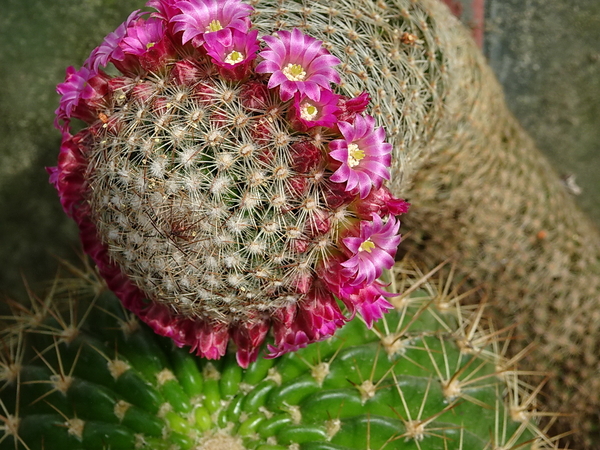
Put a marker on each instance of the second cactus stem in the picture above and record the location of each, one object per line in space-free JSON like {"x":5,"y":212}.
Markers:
{"x":79,"y":372}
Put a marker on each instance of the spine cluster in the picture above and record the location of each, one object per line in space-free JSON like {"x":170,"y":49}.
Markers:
{"x":221,"y":185}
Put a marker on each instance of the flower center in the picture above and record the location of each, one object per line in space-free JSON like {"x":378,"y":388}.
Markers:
{"x":234,"y":57}
{"x":149,"y":45}
{"x":355,"y":154}
{"x":366,"y":246}
{"x":215,"y":25}
{"x":294,"y":72}
{"x":308,"y":111}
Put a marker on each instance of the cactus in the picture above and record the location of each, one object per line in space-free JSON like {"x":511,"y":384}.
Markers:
{"x":221,"y":197}
{"x":78,"y":371}
{"x":455,"y":147}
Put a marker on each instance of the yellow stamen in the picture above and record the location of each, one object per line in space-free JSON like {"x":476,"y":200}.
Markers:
{"x":215,"y":25}
{"x":355,"y":154}
{"x":234,"y":58}
{"x":294,"y":72}
{"x":308,"y":111}
{"x":366,"y":246}
{"x":150,"y":45}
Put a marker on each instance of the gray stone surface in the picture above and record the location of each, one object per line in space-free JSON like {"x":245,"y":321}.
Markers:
{"x":38,"y":40}
{"x":546,"y":53}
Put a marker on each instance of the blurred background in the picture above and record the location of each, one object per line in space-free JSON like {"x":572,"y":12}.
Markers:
{"x":546,"y":53}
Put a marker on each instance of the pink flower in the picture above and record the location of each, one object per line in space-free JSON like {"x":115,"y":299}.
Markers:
{"x":316,"y":317}
{"x":208,"y":339}
{"x":370,"y":302}
{"x":292,"y":339}
{"x":142,"y":35}
{"x":109,"y":49}
{"x":336,"y":195}
{"x":318,"y":313}
{"x":160,"y":319}
{"x":234,"y":59}
{"x":298,"y":63}
{"x":147,"y":40}
{"x":73,"y":89}
{"x":201,"y":17}
{"x":308,"y":113}
{"x":185,"y":72}
{"x":287,"y":333}
{"x":336,"y":278}
{"x":349,"y":108}
{"x":368,"y":299}
{"x":381,"y":202}
{"x":372,"y":250}
{"x":248,"y":337}
{"x":254,"y":95}
{"x":318,"y":224}
{"x":82,"y":93}
{"x":165,"y":8}
{"x":67,"y":177}
{"x":364,"y":155}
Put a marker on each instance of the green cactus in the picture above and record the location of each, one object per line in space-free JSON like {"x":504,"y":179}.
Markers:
{"x":79,"y":372}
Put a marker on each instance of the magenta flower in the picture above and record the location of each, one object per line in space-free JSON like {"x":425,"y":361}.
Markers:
{"x":318,"y":314}
{"x":73,"y":89}
{"x":381,"y":202}
{"x":67,"y":176}
{"x":298,"y":63}
{"x":248,"y":338}
{"x":287,"y":332}
{"x":146,"y":39}
{"x":142,"y":36}
{"x":364,"y":155}
{"x":185,"y":72}
{"x":337,"y":279}
{"x":82,"y":93}
{"x":254,"y":95}
{"x":349,"y":108}
{"x":308,"y":113}
{"x":201,"y":17}
{"x":109,"y":49}
{"x":292,"y":339}
{"x":372,"y":250}
{"x":305,"y":156}
{"x":235,"y":58}
{"x":316,"y":317}
{"x":165,"y":8}
{"x":336,"y":195}
{"x":207,"y":339}
{"x":370,"y":302}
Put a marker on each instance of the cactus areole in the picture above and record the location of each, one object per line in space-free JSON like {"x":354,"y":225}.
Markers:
{"x":221,"y":185}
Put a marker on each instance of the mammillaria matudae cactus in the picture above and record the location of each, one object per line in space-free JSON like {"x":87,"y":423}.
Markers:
{"x":222,"y":189}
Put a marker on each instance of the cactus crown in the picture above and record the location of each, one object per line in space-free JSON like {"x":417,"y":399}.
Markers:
{"x":221,"y":189}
